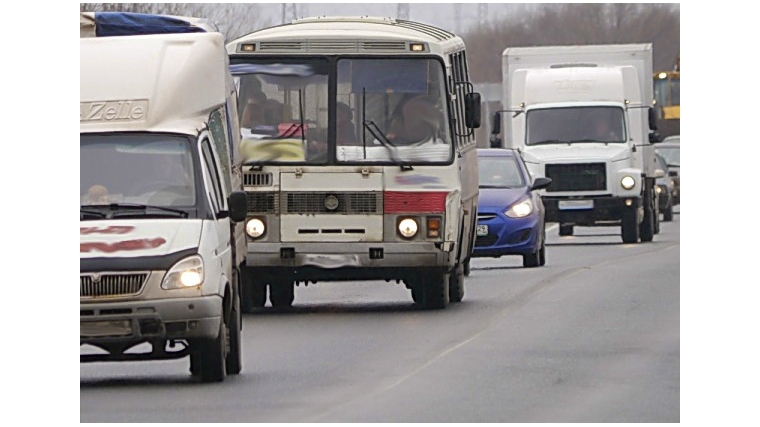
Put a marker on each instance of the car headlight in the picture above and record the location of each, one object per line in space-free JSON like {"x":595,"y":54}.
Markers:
{"x":520,"y":209}
{"x":255,"y":227}
{"x":628,"y":182}
{"x":407,"y":227}
{"x":658,"y":189}
{"x":187,"y":273}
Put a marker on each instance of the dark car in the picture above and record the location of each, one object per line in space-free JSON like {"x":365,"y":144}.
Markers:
{"x":510,"y":211}
{"x":670,"y":149}
{"x":665,"y":190}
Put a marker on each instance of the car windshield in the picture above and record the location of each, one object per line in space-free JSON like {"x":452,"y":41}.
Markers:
{"x":500,"y":172}
{"x":672,"y":155}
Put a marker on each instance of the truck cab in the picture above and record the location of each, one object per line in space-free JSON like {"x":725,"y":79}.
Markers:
{"x":582,"y":116}
{"x":161,"y":209}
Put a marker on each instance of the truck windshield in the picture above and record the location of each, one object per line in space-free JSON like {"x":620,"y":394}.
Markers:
{"x":143,"y":169}
{"x":575,"y":125}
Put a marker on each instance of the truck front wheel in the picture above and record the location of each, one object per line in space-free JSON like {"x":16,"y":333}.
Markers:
{"x":629,"y":229}
{"x":647,"y":225}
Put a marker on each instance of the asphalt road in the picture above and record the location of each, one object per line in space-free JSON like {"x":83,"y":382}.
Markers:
{"x":592,"y":336}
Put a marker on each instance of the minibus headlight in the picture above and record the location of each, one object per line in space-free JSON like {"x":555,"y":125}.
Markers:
{"x":255,"y":227}
{"x":407,"y":227}
{"x":628,"y":182}
{"x":187,"y":273}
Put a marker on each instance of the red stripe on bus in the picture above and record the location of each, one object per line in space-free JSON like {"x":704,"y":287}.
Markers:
{"x":414,"y":202}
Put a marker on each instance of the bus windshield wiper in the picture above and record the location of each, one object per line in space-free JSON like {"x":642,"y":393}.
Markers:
{"x":372,"y":127}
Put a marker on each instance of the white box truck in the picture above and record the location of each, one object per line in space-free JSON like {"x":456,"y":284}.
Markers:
{"x":160,"y":223}
{"x":583,"y":116}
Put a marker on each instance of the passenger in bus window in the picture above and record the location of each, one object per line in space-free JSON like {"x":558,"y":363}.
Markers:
{"x":254,"y":111}
{"x":419,"y":121}
{"x":345,"y":129}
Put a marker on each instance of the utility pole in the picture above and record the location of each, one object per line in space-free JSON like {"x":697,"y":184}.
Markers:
{"x":482,"y":14}
{"x":289,"y":12}
{"x":402,"y":12}
{"x":458,"y":17}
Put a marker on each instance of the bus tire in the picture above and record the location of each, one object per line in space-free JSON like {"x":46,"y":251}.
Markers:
{"x":456,"y":284}
{"x":434,"y":289}
{"x":281,"y":293}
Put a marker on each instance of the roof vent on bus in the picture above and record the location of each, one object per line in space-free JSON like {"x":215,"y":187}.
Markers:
{"x":288,"y":46}
{"x":393,"y":46}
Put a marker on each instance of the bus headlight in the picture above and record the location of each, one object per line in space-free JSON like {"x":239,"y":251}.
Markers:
{"x":184,"y":274}
{"x":628,"y":182}
{"x":407,"y":227}
{"x":255,"y":227}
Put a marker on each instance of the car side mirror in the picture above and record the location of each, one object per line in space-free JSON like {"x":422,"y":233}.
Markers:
{"x":540,"y":183}
{"x":659,"y":173}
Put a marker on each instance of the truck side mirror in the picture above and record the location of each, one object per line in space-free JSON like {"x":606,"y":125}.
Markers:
{"x":654,"y":137}
{"x":495,"y":140}
{"x":496,"y":127}
{"x":472,"y":110}
{"x":652,"y":119}
{"x":238,"y":205}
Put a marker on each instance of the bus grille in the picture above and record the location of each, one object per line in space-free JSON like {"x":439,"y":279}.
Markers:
{"x":577,"y":177}
{"x":257,"y":179}
{"x":262,"y":203}
{"x":348,"y":203}
{"x":111,"y":285}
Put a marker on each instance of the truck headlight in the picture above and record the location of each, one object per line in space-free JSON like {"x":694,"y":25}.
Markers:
{"x":407,"y":227}
{"x":255,"y":227}
{"x":186,"y":273}
{"x":627,"y":182}
{"x":520,"y":209}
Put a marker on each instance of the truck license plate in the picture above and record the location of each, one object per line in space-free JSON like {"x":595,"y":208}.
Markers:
{"x":105,"y":328}
{"x":482,"y":230}
{"x":567,"y":205}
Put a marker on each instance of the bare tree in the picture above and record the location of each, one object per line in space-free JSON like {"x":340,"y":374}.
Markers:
{"x":233,"y":19}
{"x":569,"y":24}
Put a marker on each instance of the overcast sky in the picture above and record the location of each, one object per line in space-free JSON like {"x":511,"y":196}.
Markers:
{"x":443,"y":15}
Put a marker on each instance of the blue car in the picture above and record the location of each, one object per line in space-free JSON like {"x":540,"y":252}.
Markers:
{"x":510,"y":211}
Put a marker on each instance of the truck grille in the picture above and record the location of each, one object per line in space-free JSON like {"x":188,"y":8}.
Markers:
{"x":577,"y":177}
{"x":111,"y":284}
{"x":348,"y":203}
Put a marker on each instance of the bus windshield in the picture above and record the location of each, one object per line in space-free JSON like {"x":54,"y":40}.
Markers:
{"x":384,"y":110}
{"x":391,"y":109}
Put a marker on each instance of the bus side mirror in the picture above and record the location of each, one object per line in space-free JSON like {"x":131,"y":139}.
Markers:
{"x":472,"y":110}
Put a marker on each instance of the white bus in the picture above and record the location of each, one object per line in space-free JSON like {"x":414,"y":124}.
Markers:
{"x":360,"y":160}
